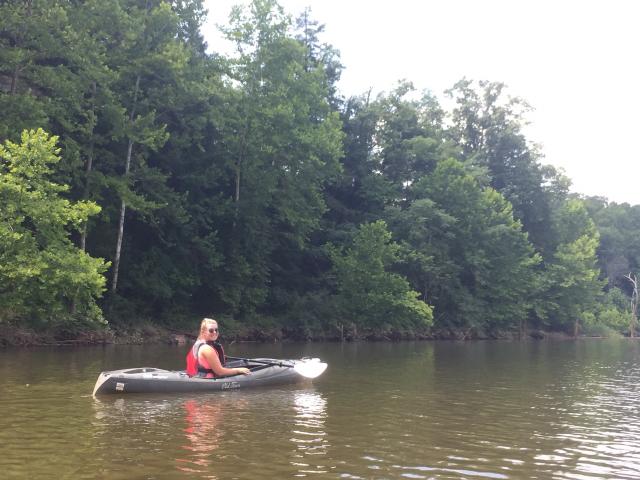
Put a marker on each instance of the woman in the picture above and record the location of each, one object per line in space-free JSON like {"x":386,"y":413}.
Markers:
{"x":206,"y":357}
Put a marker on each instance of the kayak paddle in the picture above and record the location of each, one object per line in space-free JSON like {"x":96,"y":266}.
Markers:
{"x":307,"y":367}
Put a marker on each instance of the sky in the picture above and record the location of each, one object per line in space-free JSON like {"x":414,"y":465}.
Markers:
{"x":577,"y":63}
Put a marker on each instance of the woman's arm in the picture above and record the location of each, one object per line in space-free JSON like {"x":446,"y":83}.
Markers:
{"x":211,"y":356}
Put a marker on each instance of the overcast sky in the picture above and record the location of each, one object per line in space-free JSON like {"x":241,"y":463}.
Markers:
{"x":576,"y":62}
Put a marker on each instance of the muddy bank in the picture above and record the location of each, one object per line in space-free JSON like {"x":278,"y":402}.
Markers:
{"x":144,"y":334}
{"x":154,"y":334}
{"x":25,"y":337}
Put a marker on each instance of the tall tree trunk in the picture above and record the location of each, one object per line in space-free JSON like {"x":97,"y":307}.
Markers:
{"x":85,"y":195}
{"x":236,"y":196}
{"x":634,"y":304}
{"x":123,"y":205}
{"x":14,"y":81}
{"x":239,"y":161}
{"x":18,"y":41}
{"x":116,"y":258}
{"x":523,"y":328}
{"x":89,"y":166}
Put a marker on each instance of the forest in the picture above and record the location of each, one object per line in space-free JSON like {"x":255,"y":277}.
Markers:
{"x":148,"y":180}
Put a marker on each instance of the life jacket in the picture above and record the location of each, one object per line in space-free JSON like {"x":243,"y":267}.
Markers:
{"x":194,"y":368}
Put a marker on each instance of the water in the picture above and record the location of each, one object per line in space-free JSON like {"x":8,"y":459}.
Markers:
{"x":484,"y":410}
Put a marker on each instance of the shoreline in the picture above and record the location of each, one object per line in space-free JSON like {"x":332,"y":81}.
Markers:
{"x":151,"y":334}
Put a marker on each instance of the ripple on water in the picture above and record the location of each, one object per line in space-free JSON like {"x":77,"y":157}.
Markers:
{"x":493,"y":410}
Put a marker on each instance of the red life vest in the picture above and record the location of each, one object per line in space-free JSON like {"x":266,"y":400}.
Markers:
{"x":193,"y":365}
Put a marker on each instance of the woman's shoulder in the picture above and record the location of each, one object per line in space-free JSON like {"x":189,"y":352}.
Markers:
{"x":206,"y":347}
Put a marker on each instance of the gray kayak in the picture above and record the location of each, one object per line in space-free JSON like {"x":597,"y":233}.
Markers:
{"x":265,"y":372}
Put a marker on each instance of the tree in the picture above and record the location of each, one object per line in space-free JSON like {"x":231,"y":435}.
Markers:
{"x":29,"y":46}
{"x":619,"y":229}
{"x":409,"y":138}
{"x":359,"y":193}
{"x":154,"y":53}
{"x":319,"y":55}
{"x":281,"y":145}
{"x":487,"y":125}
{"x":470,"y":254}
{"x":368,"y":294}
{"x":391,"y":142}
{"x":43,"y":276}
{"x":571,"y":278}
{"x":634,"y":304}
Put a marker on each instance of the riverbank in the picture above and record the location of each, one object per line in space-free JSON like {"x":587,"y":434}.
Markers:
{"x":148,"y":334}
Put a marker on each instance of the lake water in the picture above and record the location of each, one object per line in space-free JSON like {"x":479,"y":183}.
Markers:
{"x":478,"y":410}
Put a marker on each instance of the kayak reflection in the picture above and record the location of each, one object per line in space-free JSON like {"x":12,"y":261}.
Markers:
{"x":204,"y":430}
{"x":214,"y":436}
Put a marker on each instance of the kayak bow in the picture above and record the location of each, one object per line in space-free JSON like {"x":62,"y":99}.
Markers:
{"x":264,"y":372}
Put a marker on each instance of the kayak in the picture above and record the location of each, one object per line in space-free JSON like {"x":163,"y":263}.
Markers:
{"x":264,"y":372}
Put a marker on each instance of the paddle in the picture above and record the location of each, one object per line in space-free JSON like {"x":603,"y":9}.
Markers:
{"x":308,"y":367}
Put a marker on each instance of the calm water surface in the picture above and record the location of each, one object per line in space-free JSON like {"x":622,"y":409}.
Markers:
{"x":495,"y":410}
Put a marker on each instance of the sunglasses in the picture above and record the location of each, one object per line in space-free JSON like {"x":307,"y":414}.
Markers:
{"x":211,"y":330}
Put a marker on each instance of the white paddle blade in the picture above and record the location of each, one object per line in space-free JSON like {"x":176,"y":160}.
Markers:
{"x":310,"y":367}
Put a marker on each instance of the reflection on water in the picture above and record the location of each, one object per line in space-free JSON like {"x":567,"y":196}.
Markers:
{"x":493,"y":410}
{"x":309,"y":434}
{"x":599,"y":434}
{"x":212,"y":436}
{"x":204,"y":431}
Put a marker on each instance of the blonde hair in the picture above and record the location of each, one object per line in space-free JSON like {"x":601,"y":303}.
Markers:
{"x":204,"y":325}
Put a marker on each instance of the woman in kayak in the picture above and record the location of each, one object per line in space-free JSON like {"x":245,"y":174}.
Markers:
{"x":206,"y":357}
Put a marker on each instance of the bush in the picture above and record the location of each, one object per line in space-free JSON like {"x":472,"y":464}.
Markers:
{"x":44,"y":278}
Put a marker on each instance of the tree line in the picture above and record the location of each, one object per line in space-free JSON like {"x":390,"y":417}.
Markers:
{"x":145,"y":177}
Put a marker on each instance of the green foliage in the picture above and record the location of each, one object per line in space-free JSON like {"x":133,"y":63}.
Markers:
{"x":487,"y":126}
{"x":43,"y":275}
{"x":611,"y":317}
{"x":237,"y":170}
{"x":369,"y":295}
{"x":282,"y":145}
{"x":619,"y":228}
{"x":615,"y":320}
{"x":571,"y":281}
{"x":468,"y":254}
{"x":614,"y":311}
